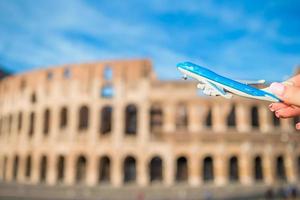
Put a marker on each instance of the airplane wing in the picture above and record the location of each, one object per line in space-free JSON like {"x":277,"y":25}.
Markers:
{"x":251,"y":82}
{"x":214,"y":90}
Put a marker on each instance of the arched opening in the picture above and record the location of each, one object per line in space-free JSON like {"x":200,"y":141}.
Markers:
{"x":1,"y":126}
{"x":231,"y":119}
{"x":156,"y":118}
{"x":31,"y":124}
{"x":181,"y":170}
{"x":15,"y":168}
{"x":46,"y":126}
{"x":106,"y":120}
{"x":20,"y":121}
{"x":233,"y":169}
{"x":43,"y":169}
{"x":63,"y":122}
{"x":28,"y":167}
{"x":276,"y":121}
{"x":298,"y":167}
{"x":129,"y":170}
{"x":67,"y":73}
{"x":83,"y":121}
{"x":254,"y":117}
{"x":60,"y":168}
{"x":104,"y":170}
{"x":10,"y":121}
{"x":208,"y":119}
{"x":49,"y":75}
{"x":33,"y":98}
{"x":107,"y":91}
{"x":208,"y":169}
{"x":258,"y":169}
{"x":181,"y":117}
{"x":131,"y":120}
{"x":280,"y":169}
{"x":4,"y":168}
{"x":156,"y":174}
{"x":81,"y":166}
{"x":296,"y":120}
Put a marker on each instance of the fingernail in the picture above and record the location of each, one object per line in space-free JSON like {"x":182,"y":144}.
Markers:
{"x":271,"y":107}
{"x":277,"y":88}
{"x":277,"y":114}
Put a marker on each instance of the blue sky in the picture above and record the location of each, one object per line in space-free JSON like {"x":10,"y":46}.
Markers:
{"x":240,"y":39}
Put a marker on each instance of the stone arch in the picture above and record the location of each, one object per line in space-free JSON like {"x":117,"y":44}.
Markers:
{"x":129,"y":169}
{"x":83,"y":118}
{"x":233,"y":169}
{"x":181,"y":117}
{"x":231,"y":118}
{"x":63,"y":117}
{"x":181,"y":169}
{"x":254,"y":117}
{"x":131,"y":119}
{"x":280,"y":168}
{"x":104,"y":170}
{"x":28,"y":164}
{"x":60,"y":168}
{"x":106,"y":120}
{"x":47,"y":118}
{"x":15,"y":168}
{"x":156,"y":169}
{"x":81,"y":168}
{"x":258,"y":169}
{"x":43,"y":169}
{"x":208,"y":169}
{"x":156,"y":118}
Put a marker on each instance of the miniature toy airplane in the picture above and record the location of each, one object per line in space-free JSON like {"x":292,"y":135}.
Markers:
{"x":213,"y":84}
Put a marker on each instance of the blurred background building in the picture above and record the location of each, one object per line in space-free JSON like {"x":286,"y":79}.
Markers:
{"x":113,"y":124}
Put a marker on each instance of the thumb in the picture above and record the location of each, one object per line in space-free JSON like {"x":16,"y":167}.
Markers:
{"x":287,"y":93}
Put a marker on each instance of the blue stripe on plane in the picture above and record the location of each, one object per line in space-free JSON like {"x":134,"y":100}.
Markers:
{"x":206,"y":73}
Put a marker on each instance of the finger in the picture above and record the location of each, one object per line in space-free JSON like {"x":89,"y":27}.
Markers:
{"x":277,"y":106}
{"x":288,"y":112}
{"x":295,"y":80}
{"x":298,"y":126}
{"x":288,"y":94}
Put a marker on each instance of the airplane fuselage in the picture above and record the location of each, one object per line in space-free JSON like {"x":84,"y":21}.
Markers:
{"x":203,"y":75}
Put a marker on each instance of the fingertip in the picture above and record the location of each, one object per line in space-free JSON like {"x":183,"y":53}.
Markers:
{"x":277,"y":88}
{"x":271,"y":107}
{"x":298,"y":126}
{"x":277,"y":114}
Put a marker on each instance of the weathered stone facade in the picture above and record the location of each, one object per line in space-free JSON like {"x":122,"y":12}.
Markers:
{"x":115,"y":123}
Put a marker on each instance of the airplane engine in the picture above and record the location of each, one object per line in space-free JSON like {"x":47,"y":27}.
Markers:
{"x":200,"y":86}
{"x":208,"y":91}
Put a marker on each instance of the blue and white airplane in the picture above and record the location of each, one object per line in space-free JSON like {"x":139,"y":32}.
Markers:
{"x":213,"y":84}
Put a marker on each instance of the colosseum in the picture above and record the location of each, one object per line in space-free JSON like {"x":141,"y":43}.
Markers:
{"x":114,"y":124}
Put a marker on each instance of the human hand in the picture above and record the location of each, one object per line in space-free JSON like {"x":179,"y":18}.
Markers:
{"x":289,"y":93}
